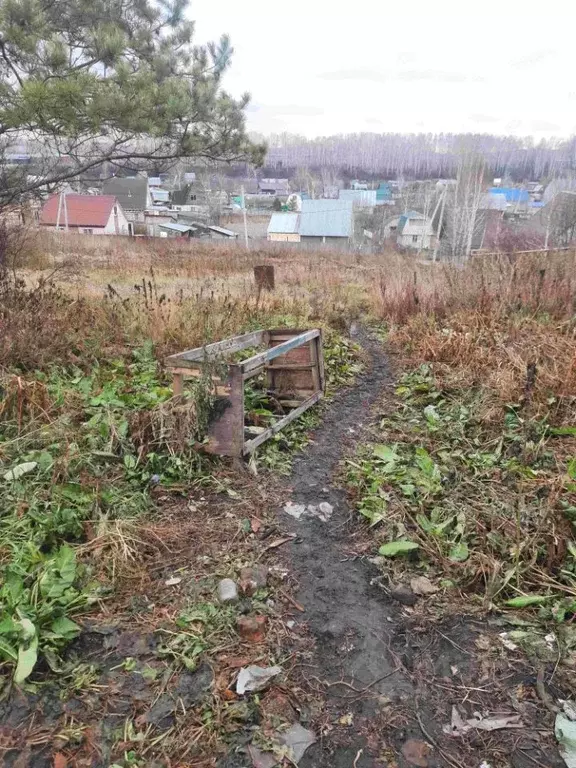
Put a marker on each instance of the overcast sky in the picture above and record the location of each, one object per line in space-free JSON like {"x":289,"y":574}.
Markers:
{"x":318,"y":68}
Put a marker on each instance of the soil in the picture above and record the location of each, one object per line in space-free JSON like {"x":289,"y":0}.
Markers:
{"x":375,"y":678}
{"x":389,"y":677}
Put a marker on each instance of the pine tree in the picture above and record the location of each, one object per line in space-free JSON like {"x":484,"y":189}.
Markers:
{"x":88,"y":81}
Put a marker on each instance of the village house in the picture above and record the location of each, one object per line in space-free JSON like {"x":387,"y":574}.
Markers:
{"x":85,"y":214}
{"x":321,"y":222}
{"x":284,"y":228}
{"x":412,"y":230}
{"x":133,"y":194}
{"x":327,"y":222}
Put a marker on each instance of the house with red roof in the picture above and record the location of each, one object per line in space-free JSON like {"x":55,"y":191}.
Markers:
{"x":86,"y":214}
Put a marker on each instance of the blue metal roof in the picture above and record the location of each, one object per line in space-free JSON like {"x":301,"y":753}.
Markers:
{"x":326,"y":218}
{"x":284,"y":223}
{"x":513,"y":194}
{"x":383,"y":192}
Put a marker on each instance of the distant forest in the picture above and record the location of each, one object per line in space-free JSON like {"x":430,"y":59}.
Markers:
{"x":418,"y":156}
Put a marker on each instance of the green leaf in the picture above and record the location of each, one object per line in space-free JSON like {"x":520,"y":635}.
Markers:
{"x":400,"y":547}
{"x":459,"y":552}
{"x":27,"y":658}
{"x":385,"y":453}
{"x":19,"y":470}
{"x":7,"y":651}
{"x":572,"y":468}
{"x":65,"y":627}
{"x":523,"y":601}
{"x":563,"y":431}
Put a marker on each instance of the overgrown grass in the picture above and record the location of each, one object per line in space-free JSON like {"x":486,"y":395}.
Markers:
{"x":471,"y":475}
{"x":90,"y":428}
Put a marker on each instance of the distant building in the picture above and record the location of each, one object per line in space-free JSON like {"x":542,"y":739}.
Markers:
{"x":362,"y":198}
{"x":276,"y":187}
{"x":85,"y":214}
{"x":196,"y":229}
{"x":284,"y":228}
{"x":415,"y":230}
{"x":512,"y":194}
{"x":133,"y":194}
{"x":383,"y":194}
{"x":327,"y":222}
{"x":358,"y":184}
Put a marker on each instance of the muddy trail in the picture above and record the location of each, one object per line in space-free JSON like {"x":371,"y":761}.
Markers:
{"x":389,"y":679}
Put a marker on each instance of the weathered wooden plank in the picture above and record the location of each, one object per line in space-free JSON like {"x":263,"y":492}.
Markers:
{"x":292,"y":367}
{"x":251,"y":445}
{"x":262,"y":357}
{"x":226,"y":434}
{"x":255,"y":372}
{"x":218,"y":348}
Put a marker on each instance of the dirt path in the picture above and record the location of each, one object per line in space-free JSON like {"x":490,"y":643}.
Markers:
{"x":401,"y":676}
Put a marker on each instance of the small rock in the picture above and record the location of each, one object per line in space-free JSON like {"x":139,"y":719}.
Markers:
{"x":295,"y":510}
{"x":172,"y":581}
{"x":290,"y":624}
{"x":227,"y":591}
{"x":416,"y":752}
{"x":403,"y":594}
{"x":297,"y":739}
{"x":254,"y":678}
{"x":251,"y":628}
{"x":423,"y":586}
{"x":253,"y":579}
{"x":325,"y":511}
{"x":378,"y":560}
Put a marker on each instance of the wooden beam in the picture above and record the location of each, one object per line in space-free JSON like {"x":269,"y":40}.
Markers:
{"x":217,"y":349}
{"x":292,"y":367}
{"x":251,"y":445}
{"x":262,"y":357}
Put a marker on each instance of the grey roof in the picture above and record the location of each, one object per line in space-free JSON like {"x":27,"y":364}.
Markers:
{"x":326,"y":218}
{"x":183,"y":228}
{"x":132,"y":193}
{"x":284,"y":223}
{"x":493,"y":201}
{"x":223,"y":231}
{"x":154,"y":181}
{"x":362,"y":197}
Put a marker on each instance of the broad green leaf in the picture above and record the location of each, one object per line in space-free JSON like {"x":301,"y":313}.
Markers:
{"x":523,"y":601}
{"x":572,"y":468}
{"x":65,"y":562}
{"x":571,"y":548}
{"x":27,"y":658}
{"x":459,"y":552}
{"x":401,"y":547}
{"x":8,"y":626}
{"x":385,"y":453}
{"x":19,"y":470}
{"x":7,"y":651}
{"x":64,"y":627}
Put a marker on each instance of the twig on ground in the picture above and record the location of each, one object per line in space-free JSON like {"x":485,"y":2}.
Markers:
{"x":435,"y":744}
{"x":358,"y":756}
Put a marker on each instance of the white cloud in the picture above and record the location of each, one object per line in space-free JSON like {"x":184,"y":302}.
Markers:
{"x":320,"y":68}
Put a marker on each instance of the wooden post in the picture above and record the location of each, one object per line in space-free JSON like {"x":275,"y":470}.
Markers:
{"x":264,"y":277}
{"x":177,"y":383}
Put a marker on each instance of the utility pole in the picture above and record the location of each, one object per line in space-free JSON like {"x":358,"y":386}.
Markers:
{"x":437,"y":243}
{"x":244,"y":216}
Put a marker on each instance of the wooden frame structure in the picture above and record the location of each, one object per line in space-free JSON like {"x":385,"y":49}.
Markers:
{"x":292,"y":362}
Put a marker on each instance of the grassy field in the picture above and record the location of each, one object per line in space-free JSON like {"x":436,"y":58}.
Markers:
{"x":470,"y":479}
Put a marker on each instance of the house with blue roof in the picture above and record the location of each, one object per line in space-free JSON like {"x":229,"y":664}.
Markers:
{"x":513,"y":195}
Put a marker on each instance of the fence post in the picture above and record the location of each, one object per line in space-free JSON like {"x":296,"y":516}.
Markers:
{"x":264,"y":277}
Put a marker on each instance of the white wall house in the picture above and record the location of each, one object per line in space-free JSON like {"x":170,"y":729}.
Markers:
{"x":85,"y":214}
